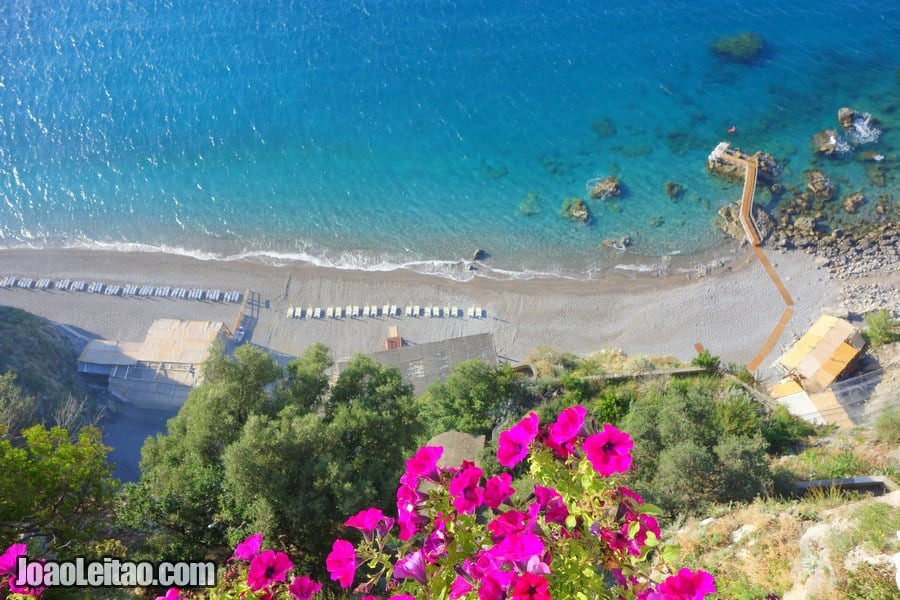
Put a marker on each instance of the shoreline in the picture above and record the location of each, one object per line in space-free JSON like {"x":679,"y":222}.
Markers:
{"x":609,"y":262}
{"x":731,"y":311}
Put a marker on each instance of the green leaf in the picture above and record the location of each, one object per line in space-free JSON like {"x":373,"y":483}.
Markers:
{"x":651,"y":509}
{"x":571,"y":522}
{"x":670,"y":553}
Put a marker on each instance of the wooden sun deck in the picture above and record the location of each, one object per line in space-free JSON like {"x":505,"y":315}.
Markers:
{"x":751,"y":166}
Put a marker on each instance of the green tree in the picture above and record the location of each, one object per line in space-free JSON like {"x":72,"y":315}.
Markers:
{"x":259,"y":449}
{"x":685,"y":479}
{"x":474,"y":398}
{"x":305,"y":382}
{"x":697,"y":441}
{"x":56,"y":488}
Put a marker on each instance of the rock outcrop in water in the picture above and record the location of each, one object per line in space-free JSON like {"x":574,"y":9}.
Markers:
{"x":825,"y":142}
{"x":852,"y":202}
{"x":575,"y":209}
{"x":607,"y":187}
{"x":819,"y":185}
{"x":741,"y":48}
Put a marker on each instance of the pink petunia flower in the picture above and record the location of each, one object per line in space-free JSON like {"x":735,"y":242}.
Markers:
{"x":512,"y":521}
{"x":609,"y":450}
{"x":619,"y":540}
{"x":342,"y":562}
{"x":248,"y":549}
{"x":266,"y":568}
{"x":366,"y":521}
{"x":648,"y":524}
{"x":424,"y":463}
{"x":435,"y":545}
{"x":171,"y":594}
{"x":467,"y":494}
{"x":531,"y":587}
{"x":568,"y":425}
{"x":497,"y":490}
{"x":303,"y":588}
{"x":460,"y":587}
{"x":402,"y":597}
{"x":8,"y":559}
{"x":687,"y":585}
{"x":516,"y":549}
{"x":23,"y":589}
{"x":408,"y":502}
{"x":411,"y":566}
{"x":513,"y":443}
{"x":551,"y":502}
{"x":494,"y":585}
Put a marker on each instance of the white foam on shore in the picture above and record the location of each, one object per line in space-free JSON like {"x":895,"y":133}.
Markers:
{"x":459,"y":270}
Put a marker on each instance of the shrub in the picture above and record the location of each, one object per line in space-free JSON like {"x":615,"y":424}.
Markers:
{"x":881,"y":328}
{"x":783,"y":431}
{"x":706,"y":360}
{"x":887,"y":426}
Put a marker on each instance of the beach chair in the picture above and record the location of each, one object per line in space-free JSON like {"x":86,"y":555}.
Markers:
{"x":394,"y":311}
{"x":409,"y":311}
{"x":366,"y":311}
{"x":78,"y":286}
{"x":479,"y":312}
{"x":428,"y":311}
{"x":338,"y":312}
{"x":290,"y":312}
{"x":374,"y":311}
{"x":436,"y":311}
{"x":299,"y":313}
{"x":417,"y":310}
{"x":471,"y":312}
{"x":329,"y":312}
{"x":386,"y":310}
{"x":317,"y":313}
{"x":348,"y":310}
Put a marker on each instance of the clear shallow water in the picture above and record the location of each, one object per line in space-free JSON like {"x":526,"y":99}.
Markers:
{"x":374,"y":134}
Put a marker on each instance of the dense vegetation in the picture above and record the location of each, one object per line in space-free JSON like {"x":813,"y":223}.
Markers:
{"x":289,"y":452}
{"x":260,"y":449}
{"x":41,"y":357}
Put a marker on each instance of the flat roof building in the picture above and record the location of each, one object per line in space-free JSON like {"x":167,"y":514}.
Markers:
{"x":422,"y":364}
{"x":812,"y":366}
{"x":158,"y":372}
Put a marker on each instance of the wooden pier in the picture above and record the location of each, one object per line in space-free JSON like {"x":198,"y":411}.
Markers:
{"x":724,"y":152}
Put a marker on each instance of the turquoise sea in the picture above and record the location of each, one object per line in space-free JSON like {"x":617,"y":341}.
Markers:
{"x":373,"y":133}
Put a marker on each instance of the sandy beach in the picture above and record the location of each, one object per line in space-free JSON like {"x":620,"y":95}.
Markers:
{"x":730,"y":312}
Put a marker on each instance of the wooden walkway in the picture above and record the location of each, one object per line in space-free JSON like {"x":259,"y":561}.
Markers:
{"x":726,"y":153}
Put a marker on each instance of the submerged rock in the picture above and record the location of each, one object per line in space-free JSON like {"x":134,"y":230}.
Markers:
{"x":480,"y":254}
{"x":742,"y":48}
{"x":604,"y":127}
{"x":607,"y":187}
{"x":852,"y":202}
{"x":819,"y":185}
{"x":674,"y":190}
{"x":530,"y":205}
{"x":575,"y":209}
